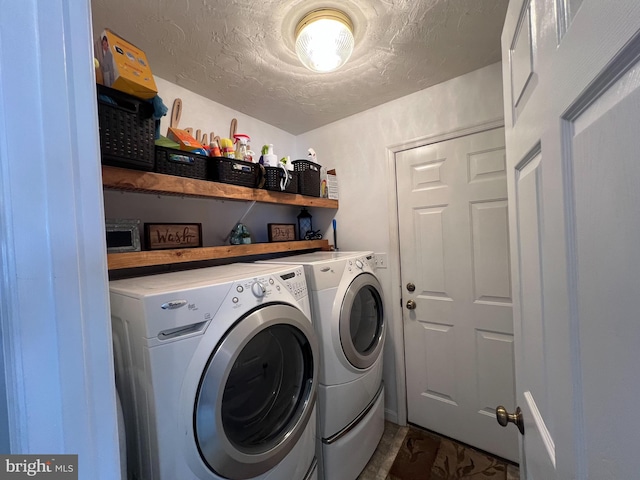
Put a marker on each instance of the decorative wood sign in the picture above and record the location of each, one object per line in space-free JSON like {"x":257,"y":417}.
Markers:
{"x":161,"y":236}
{"x":281,"y":232}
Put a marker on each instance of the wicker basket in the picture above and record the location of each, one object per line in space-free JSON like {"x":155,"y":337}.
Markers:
{"x":236,"y":172}
{"x":308,"y":177}
{"x":178,"y":162}
{"x":274,"y":176}
{"x":127,"y":130}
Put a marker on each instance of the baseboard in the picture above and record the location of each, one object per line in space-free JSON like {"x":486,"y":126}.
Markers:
{"x":391,"y":416}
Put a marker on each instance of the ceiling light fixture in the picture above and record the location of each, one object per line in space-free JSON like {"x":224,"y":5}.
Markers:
{"x":324,"y":39}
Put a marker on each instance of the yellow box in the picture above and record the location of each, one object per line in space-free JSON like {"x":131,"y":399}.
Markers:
{"x":124,"y":66}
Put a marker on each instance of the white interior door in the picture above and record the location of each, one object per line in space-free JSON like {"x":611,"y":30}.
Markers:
{"x":572,"y":114}
{"x":454,"y":243}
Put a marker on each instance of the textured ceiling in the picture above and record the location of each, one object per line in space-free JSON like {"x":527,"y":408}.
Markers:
{"x":240,"y":53}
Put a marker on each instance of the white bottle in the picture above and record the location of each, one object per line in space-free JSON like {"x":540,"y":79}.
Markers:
{"x":288,"y":164}
{"x":270,"y":159}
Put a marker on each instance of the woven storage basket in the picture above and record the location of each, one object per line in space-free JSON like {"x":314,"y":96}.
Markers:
{"x":178,"y":162}
{"x":274,"y":175}
{"x":308,"y":177}
{"x":236,"y":172}
{"x":127,"y":130}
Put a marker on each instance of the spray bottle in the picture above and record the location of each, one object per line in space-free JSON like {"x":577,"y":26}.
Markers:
{"x":241,"y":141}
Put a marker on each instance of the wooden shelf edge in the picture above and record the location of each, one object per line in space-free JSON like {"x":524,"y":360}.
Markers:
{"x":118,"y":261}
{"x":149,"y":182}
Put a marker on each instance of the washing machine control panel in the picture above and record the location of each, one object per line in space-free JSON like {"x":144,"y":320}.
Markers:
{"x":269,"y":287}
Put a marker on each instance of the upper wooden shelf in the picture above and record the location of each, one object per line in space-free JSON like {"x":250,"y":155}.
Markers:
{"x":149,"y":182}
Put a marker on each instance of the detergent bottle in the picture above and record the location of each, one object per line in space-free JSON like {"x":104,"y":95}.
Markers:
{"x":270,"y":159}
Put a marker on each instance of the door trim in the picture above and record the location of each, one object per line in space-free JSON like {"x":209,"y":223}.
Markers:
{"x":394,"y":308}
{"x":52,"y":241}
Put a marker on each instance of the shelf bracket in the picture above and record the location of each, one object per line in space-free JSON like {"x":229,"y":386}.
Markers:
{"x":239,"y":221}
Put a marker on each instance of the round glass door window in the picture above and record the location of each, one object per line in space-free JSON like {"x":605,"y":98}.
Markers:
{"x":257,"y":392}
{"x":362,"y":321}
{"x":265,"y":389}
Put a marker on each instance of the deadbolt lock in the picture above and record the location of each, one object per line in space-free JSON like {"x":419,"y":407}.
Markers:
{"x":411,"y":287}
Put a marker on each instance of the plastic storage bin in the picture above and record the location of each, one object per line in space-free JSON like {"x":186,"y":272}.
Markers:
{"x":273,"y":177}
{"x":308,"y":177}
{"x":229,"y":170}
{"x":181,"y":163}
{"x":127,"y":130}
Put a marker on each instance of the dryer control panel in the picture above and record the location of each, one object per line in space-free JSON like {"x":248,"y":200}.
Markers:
{"x":365,"y":263}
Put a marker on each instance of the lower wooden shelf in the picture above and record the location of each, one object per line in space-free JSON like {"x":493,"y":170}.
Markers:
{"x":118,"y":261}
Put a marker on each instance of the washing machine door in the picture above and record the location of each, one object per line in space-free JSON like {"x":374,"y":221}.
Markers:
{"x":362,"y":326}
{"x":257,"y":392}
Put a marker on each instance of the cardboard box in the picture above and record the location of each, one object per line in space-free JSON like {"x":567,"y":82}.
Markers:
{"x":124,"y":66}
{"x":186,"y":141}
{"x":332,"y":185}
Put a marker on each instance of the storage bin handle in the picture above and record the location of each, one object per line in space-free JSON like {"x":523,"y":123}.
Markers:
{"x":116,"y":99}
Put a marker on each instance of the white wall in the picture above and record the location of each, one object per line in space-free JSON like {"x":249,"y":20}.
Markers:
{"x":358,"y":147}
{"x":217,"y":216}
{"x":201,"y":113}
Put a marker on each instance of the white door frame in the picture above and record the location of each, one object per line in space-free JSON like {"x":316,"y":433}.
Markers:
{"x":54,"y":315}
{"x":395,"y":307}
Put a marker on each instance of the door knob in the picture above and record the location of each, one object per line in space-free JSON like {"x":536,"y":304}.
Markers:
{"x":505,"y":417}
{"x":411,"y":305}
{"x":411,"y":287}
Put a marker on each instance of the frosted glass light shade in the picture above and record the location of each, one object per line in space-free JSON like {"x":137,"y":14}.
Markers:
{"x":324,"y":40}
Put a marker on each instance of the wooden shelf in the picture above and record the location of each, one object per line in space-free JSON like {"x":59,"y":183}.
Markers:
{"x":117,"y":261}
{"x":148,"y":182}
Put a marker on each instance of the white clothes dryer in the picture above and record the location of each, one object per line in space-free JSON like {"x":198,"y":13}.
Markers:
{"x":348,"y":315}
{"x":217,"y":369}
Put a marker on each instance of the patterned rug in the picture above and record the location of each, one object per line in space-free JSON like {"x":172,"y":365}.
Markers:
{"x":416,"y":456}
{"x":426,"y":456}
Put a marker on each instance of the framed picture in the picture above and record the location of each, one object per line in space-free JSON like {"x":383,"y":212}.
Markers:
{"x":281,"y":232}
{"x":161,"y":236}
{"x":122,"y":235}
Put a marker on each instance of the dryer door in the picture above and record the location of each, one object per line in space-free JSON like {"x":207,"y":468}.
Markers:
{"x":362,"y":326}
{"x":257,"y":392}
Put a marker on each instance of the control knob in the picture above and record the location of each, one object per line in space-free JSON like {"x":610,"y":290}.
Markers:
{"x":359,"y":264}
{"x":258,"y":289}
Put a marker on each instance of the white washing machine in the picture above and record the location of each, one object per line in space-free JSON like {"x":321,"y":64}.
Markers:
{"x":348,"y":315}
{"x":217,"y":369}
